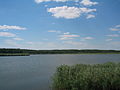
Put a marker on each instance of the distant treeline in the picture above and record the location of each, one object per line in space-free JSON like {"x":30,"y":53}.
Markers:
{"x":70,"y":51}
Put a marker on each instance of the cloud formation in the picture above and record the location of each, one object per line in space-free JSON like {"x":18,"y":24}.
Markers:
{"x":90,"y":16}
{"x":113,"y":35}
{"x":88,"y":3}
{"x":68,"y":36}
{"x":7,"y":27}
{"x":83,"y":2}
{"x":54,"y":31}
{"x":7,"y":34}
{"x":66,"y":33}
{"x":17,"y":39}
{"x":109,"y":39}
{"x":69,"y":12}
{"x":74,"y":43}
{"x":87,"y":38}
{"x":40,"y":1}
{"x":115,"y":28}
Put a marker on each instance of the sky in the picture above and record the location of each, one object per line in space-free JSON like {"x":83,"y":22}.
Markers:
{"x":60,"y":24}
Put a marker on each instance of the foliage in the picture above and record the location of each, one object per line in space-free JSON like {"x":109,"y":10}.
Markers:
{"x":71,"y":51}
{"x":87,"y":77}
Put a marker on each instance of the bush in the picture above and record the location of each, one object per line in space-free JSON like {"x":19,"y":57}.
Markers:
{"x":87,"y":77}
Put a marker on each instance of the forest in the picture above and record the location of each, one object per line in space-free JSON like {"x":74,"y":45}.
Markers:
{"x":9,"y":51}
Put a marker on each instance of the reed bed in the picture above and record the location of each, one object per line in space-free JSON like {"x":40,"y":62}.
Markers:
{"x":87,"y":77}
{"x":14,"y":54}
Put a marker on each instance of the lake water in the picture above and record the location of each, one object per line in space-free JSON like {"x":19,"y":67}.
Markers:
{"x":35,"y":72}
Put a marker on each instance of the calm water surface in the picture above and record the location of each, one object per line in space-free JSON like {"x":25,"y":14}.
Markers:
{"x":35,"y":72}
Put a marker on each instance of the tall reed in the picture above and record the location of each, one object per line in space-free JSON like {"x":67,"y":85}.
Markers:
{"x":87,"y":77}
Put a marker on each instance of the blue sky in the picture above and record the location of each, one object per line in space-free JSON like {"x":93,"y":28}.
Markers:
{"x":60,"y":24}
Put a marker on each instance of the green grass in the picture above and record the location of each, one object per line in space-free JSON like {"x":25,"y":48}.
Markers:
{"x":87,"y":77}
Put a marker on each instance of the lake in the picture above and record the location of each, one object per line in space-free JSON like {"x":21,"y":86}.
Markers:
{"x":34,"y":72}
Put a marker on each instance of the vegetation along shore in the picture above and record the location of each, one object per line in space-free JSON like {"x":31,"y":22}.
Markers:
{"x":27,"y":52}
{"x":87,"y":77}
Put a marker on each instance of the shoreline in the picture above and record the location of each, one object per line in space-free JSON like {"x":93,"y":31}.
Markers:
{"x":15,"y":54}
{"x":27,"y":54}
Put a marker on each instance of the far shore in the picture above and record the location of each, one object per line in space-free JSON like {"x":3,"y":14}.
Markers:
{"x":14,"y":54}
{"x":27,"y":54}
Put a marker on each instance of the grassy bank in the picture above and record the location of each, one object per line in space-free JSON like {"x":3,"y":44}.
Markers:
{"x":87,"y":77}
{"x":14,"y":54}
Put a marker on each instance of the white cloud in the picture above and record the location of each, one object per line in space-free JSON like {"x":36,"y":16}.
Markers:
{"x":115,"y":28}
{"x":66,"y":33}
{"x":4,"y":27}
{"x":87,"y":38}
{"x":68,"y":36}
{"x":18,"y":39}
{"x":83,"y":2}
{"x":40,"y":1}
{"x":109,"y":39}
{"x":88,"y":3}
{"x":65,"y":12}
{"x":34,"y":43}
{"x":87,"y":10}
{"x":113,"y":35}
{"x":7,"y":34}
{"x":73,"y":43}
{"x":90,"y":16}
{"x":69,"y":12}
{"x":54,"y":31}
